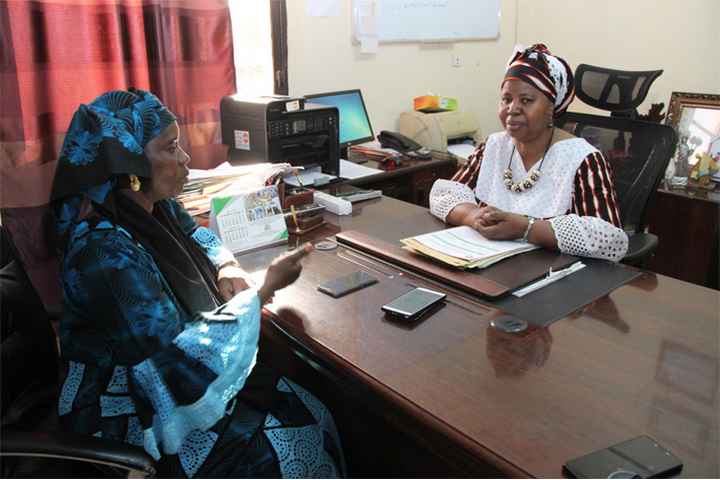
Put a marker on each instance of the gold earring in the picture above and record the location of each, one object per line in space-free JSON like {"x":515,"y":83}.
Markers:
{"x":134,"y":183}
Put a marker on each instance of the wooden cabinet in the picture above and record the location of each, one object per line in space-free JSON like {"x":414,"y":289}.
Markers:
{"x":412,"y":180}
{"x":686,"y":222}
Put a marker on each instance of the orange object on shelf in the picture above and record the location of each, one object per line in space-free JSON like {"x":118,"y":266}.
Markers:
{"x":434,"y":103}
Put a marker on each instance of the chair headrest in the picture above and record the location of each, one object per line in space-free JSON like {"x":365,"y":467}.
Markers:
{"x":618,"y":91}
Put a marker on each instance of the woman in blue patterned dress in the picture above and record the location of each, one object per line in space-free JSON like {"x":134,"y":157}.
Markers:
{"x":159,"y":329}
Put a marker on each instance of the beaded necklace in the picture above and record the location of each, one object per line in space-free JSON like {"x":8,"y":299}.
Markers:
{"x":532,"y":177}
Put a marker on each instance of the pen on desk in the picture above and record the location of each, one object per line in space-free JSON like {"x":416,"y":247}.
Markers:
{"x":294,"y":216}
{"x":297,"y":175}
{"x":551,"y":277}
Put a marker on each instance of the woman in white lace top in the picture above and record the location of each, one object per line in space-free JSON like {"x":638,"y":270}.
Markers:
{"x":533,"y":181}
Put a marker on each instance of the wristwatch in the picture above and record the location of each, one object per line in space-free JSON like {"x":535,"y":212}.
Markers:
{"x":531,"y":221}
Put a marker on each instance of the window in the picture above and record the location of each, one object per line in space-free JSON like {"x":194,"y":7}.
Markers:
{"x":259,"y":46}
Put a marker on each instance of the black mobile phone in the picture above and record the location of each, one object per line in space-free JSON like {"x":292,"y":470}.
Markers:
{"x":640,"y":457}
{"x":413,"y":304}
{"x":337,"y":287}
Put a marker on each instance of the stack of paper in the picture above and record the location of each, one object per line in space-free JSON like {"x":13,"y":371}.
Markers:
{"x":464,"y":247}
{"x":225,"y":180}
{"x":307,"y":177}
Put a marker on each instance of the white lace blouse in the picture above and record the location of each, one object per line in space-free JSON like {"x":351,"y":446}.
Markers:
{"x":575,"y":193}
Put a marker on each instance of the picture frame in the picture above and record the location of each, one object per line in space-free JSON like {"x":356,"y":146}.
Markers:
{"x":696,"y":119}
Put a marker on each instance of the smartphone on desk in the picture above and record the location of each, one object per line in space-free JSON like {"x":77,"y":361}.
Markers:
{"x":640,"y":457}
{"x":337,"y":287}
{"x":413,"y":304}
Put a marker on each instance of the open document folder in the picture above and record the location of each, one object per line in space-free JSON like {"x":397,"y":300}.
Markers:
{"x":464,"y":247}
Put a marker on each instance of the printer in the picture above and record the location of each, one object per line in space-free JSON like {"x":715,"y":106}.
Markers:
{"x":434,"y":130}
{"x":280,"y":129}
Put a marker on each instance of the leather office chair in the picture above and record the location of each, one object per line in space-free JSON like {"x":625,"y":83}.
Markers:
{"x":31,"y":443}
{"x":639,"y":151}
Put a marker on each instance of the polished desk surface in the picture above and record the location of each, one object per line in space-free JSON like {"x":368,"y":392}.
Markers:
{"x":642,"y":360}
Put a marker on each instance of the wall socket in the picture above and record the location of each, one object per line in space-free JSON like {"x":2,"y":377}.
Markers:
{"x":455,"y":60}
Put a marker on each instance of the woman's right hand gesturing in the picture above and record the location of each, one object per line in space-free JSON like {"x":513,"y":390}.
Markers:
{"x":283,"y":271}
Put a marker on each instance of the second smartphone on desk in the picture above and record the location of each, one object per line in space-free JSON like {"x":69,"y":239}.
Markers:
{"x":414,"y":304}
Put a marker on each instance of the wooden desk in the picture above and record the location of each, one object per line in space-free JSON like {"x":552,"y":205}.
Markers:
{"x":642,"y":360}
{"x":686,"y":222}
{"x":412,"y":180}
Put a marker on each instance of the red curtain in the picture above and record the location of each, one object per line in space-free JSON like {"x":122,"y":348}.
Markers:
{"x":57,"y":54}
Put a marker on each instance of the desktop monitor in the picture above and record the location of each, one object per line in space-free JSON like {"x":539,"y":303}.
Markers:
{"x":354,"y":121}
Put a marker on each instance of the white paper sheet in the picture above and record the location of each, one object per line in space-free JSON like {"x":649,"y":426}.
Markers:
{"x":352,"y":170}
{"x":466,"y":243}
{"x":462,"y":150}
{"x":263,"y":170}
{"x":307,"y":178}
{"x":323,"y":8}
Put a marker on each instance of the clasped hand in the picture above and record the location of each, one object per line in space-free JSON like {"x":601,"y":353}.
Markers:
{"x":496,"y":224}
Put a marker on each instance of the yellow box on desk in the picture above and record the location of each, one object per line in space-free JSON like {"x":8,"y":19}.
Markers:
{"x":434,"y":103}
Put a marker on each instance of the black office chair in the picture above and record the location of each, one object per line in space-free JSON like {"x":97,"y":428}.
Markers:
{"x":31,"y":443}
{"x":618,"y":91}
{"x":639,"y":151}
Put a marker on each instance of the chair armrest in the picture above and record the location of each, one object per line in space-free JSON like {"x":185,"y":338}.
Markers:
{"x":72,"y":446}
{"x":640,"y":247}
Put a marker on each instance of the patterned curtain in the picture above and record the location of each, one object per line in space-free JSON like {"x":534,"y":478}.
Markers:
{"x":57,"y":54}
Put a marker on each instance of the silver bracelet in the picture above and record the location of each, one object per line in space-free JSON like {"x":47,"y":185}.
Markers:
{"x":531,"y":222}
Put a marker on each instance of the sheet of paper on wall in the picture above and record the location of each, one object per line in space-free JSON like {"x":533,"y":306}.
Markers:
{"x":365,"y":26}
{"x":364,"y":8}
{"x":323,"y":8}
{"x":249,"y":220}
{"x":463,"y":247}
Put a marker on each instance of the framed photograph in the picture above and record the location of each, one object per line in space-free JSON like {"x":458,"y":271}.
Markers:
{"x":696,"y":119}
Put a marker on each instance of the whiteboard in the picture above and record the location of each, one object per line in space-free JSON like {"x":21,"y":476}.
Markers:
{"x":426,"y":20}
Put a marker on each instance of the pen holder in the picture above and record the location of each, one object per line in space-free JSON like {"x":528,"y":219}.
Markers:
{"x":298,"y":197}
{"x":304,"y":223}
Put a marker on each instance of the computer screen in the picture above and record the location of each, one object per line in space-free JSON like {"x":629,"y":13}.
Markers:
{"x":354,"y":122}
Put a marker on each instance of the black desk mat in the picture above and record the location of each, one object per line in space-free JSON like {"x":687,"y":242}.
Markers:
{"x":557,"y":300}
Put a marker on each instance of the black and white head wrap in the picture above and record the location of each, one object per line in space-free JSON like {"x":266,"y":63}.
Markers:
{"x":548,"y":73}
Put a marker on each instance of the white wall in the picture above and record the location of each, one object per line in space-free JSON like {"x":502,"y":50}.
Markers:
{"x":627,"y":34}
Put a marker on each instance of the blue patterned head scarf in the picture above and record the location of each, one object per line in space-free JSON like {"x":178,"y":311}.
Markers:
{"x":105,"y":143}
